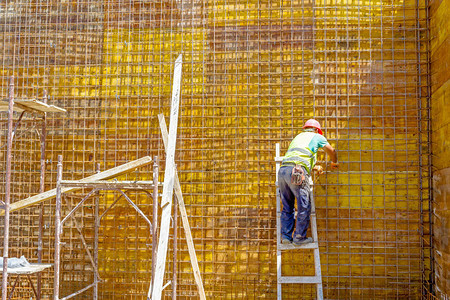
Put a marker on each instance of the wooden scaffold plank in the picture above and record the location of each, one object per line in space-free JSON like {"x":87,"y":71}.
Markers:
{"x":31,"y":105}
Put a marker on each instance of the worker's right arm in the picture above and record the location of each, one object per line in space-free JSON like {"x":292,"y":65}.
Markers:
{"x":332,"y":153}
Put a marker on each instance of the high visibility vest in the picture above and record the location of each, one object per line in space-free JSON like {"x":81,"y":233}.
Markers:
{"x":303,"y":150}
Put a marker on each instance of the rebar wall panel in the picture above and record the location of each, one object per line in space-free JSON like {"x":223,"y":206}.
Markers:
{"x":253,"y":72}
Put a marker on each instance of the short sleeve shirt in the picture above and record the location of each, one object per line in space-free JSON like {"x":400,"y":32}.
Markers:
{"x":303,"y":149}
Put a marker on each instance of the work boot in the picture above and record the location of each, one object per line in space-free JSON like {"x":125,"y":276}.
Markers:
{"x":301,"y":241}
{"x":285,"y":242}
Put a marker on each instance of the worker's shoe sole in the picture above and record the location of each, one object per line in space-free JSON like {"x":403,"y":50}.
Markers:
{"x":286,"y":242}
{"x":302,"y":241}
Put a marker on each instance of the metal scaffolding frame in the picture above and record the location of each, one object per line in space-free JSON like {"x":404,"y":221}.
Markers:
{"x":95,"y":186}
{"x":39,"y":108}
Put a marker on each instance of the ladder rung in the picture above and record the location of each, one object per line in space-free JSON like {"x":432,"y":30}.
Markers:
{"x":292,"y":246}
{"x":300,"y":279}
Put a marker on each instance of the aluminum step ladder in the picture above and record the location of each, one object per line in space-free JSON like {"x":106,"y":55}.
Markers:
{"x":317,"y":279}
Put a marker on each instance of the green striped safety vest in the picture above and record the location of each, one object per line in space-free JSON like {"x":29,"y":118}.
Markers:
{"x":303,"y":150}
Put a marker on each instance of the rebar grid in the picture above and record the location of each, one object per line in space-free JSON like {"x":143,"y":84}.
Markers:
{"x":253,"y":72}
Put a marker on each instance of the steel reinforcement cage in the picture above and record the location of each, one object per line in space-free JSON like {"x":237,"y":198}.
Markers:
{"x":253,"y":72}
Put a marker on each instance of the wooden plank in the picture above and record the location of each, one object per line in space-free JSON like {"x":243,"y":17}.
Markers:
{"x":439,"y":57}
{"x":125,"y":168}
{"x":439,"y":25}
{"x":31,"y":105}
{"x":169,"y":174}
{"x":441,"y":149}
{"x":33,"y":268}
{"x":184,"y":218}
{"x":441,"y":228}
{"x":40,"y":106}
{"x":34,"y":104}
{"x":440,"y":122}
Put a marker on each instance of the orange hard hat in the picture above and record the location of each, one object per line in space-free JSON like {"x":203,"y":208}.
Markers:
{"x":314,"y":124}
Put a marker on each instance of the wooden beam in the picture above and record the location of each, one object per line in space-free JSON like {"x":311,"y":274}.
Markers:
{"x":125,"y":168}
{"x":41,"y":106}
{"x":184,"y":218}
{"x":169,"y":173}
{"x":32,"y":106}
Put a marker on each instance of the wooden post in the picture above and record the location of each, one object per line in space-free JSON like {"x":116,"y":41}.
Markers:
{"x":166,"y":201}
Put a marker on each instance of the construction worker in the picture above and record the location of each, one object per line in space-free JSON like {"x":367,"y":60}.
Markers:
{"x":293,"y":180}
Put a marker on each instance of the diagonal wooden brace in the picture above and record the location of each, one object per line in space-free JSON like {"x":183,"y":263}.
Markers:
{"x":184,"y":218}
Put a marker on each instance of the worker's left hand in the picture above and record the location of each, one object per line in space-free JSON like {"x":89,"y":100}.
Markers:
{"x":318,"y":169}
{"x":334,"y":166}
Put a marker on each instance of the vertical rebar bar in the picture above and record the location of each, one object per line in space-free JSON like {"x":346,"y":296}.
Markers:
{"x":425,"y":281}
{"x":41,"y":190}
{"x":8,"y":189}
{"x":58,"y":228}
{"x":429,"y":142}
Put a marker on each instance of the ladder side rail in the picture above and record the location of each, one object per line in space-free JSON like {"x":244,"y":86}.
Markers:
{"x":317,"y":266}
{"x":278,"y":165}
{"x":278,"y":215}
